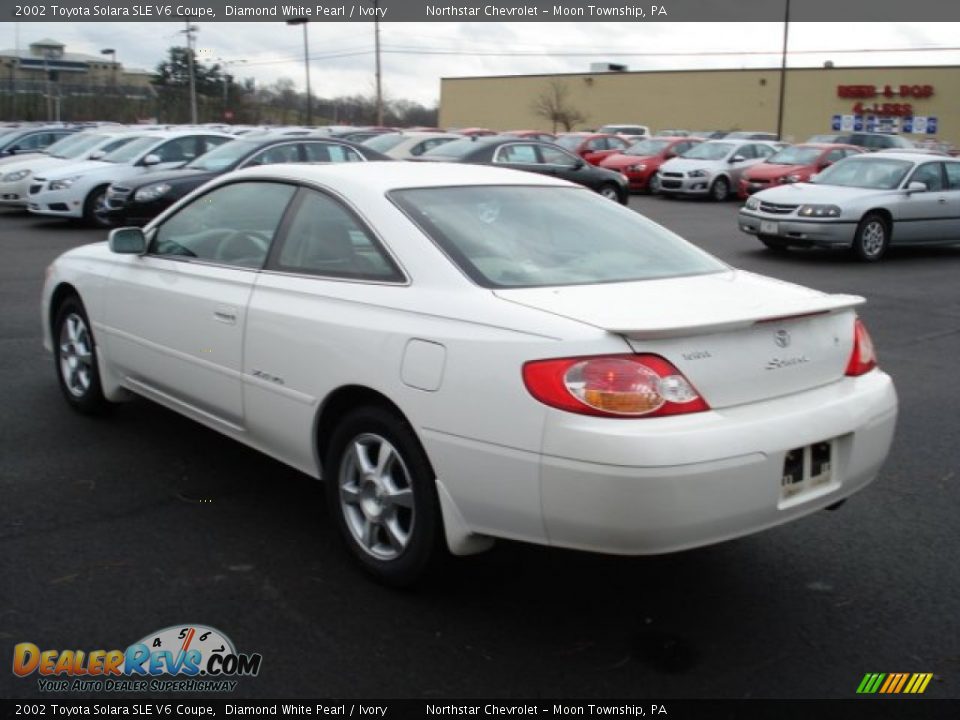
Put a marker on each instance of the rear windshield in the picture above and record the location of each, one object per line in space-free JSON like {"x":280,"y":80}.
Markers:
{"x":456,"y":149}
{"x":516,"y":236}
{"x":646,"y":147}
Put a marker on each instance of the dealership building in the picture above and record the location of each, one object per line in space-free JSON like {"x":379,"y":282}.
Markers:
{"x":920,"y":102}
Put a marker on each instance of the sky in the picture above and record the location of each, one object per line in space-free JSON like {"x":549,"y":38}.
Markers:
{"x":416,"y":55}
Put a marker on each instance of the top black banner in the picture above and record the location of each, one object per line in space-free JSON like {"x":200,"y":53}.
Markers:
{"x":628,"y":11}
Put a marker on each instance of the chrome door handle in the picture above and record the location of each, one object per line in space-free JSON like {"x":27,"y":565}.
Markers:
{"x":942,"y":201}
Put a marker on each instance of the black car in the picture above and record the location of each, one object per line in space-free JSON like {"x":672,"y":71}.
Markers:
{"x":533,"y":156}
{"x":139,"y":201}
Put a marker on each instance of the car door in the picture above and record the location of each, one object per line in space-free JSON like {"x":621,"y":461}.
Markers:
{"x":748,"y":157}
{"x":320,"y":318}
{"x":922,"y":216}
{"x":952,"y":225}
{"x":175,"y":316}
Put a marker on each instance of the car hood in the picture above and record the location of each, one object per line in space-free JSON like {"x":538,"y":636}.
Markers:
{"x":78,"y":168}
{"x":687,"y":164}
{"x":13,"y":159}
{"x":771,"y":170}
{"x":621,"y":160}
{"x":174,"y":177}
{"x":810,"y":193}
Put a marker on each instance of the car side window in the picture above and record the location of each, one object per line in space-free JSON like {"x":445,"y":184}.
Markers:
{"x":747,"y":152}
{"x":324,"y":238}
{"x":953,"y":175}
{"x":231,"y":225}
{"x":929,"y":174}
{"x":597,"y":144}
{"x":516,"y":153}
{"x":181,"y":149}
{"x":331,"y":152}
{"x":556,"y":156}
{"x":617,"y":144}
{"x":209,"y":142}
{"x":764,"y":150}
{"x":287,"y":153}
{"x":835,"y":156}
{"x":422,"y":147}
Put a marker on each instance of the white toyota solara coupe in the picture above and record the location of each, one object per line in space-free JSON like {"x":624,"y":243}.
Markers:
{"x":466,"y":353}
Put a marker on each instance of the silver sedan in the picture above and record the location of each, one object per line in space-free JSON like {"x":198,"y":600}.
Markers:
{"x":865,"y":203}
{"x":712,"y":168}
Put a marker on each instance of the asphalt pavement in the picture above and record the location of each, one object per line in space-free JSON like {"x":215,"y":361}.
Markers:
{"x":113,"y":528}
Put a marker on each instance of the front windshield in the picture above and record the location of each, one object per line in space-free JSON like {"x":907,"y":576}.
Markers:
{"x":132,"y":150}
{"x":225,"y":156}
{"x":795,"y":155}
{"x":872,"y":173}
{"x":646,"y":147}
{"x":826,"y":139}
{"x":521,"y":236}
{"x":709,"y":151}
{"x":382,"y":143}
{"x":570,"y":142}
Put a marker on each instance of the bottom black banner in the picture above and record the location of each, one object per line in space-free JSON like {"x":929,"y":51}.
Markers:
{"x":860,"y":709}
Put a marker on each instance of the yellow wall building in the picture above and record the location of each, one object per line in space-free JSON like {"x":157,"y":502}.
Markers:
{"x":717,"y":99}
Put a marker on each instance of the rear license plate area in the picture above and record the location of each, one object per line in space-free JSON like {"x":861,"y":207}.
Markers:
{"x":806,"y":469}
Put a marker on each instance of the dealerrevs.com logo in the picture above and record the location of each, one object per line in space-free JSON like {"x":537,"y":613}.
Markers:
{"x":180,"y":658}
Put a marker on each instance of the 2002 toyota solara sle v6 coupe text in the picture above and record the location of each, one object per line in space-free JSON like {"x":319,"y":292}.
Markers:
{"x":465,"y":353}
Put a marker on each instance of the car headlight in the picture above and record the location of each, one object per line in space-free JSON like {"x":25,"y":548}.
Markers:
{"x":14,"y":176}
{"x":753,"y":203}
{"x":151,"y":192}
{"x":638,"y":167}
{"x":64,"y":183}
{"x":698,"y":173}
{"x":819,"y":211}
{"x":790,"y":179}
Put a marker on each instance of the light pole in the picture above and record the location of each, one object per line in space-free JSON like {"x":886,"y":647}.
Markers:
{"x":113,"y":62}
{"x":189,"y":31}
{"x":376,"y":38}
{"x":226,"y":80}
{"x":306,"y":63}
{"x":783,"y":70}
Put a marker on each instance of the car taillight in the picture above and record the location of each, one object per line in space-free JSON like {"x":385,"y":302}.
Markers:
{"x":863,"y":359}
{"x":622,"y":386}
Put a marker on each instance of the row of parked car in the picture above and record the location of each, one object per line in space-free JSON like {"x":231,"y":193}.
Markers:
{"x":117,"y":175}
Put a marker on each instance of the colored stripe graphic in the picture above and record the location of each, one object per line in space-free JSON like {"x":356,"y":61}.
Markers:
{"x":894,"y":683}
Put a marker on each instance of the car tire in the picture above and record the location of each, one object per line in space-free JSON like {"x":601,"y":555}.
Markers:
{"x":92,"y":205}
{"x":653,"y":186}
{"x":872,"y":238}
{"x":720,"y":190}
{"x":610,"y":192}
{"x":382,"y":493}
{"x":75,"y":359}
{"x":777,"y":245}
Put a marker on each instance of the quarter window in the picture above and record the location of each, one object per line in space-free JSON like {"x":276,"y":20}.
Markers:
{"x":556,"y":156}
{"x":953,"y":175}
{"x":325,"y":239}
{"x":277,"y":154}
{"x":232,"y":225}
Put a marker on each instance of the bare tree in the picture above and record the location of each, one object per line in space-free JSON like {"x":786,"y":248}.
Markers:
{"x":554,"y":105}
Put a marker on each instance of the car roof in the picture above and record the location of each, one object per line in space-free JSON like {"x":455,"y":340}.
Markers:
{"x":382,"y":177}
{"x":914,"y":157}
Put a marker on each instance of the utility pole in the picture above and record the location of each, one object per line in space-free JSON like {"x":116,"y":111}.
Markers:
{"x":113,"y":63}
{"x":376,"y":38}
{"x":783,"y":70}
{"x":306,"y":63}
{"x":190,"y":30}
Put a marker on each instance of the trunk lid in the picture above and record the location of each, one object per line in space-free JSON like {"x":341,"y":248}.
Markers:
{"x":736,"y":336}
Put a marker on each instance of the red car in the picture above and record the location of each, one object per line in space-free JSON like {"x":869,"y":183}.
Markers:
{"x":795,"y":163}
{"x":592,"y":147}
{"x":639,"y":163}
{"x":535,"y":134}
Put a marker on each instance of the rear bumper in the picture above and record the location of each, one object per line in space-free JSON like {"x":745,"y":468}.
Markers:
{"x":648,"y":487}
{"x":820,"y":233}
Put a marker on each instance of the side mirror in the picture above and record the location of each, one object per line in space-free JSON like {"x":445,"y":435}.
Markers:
{"x":917,"y":186}
{"x":96,"y":155}
{"x":579,"y":164}
{"x":737,"y":158}
{"x":151,"y":159}
{"x":127,"y":241}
